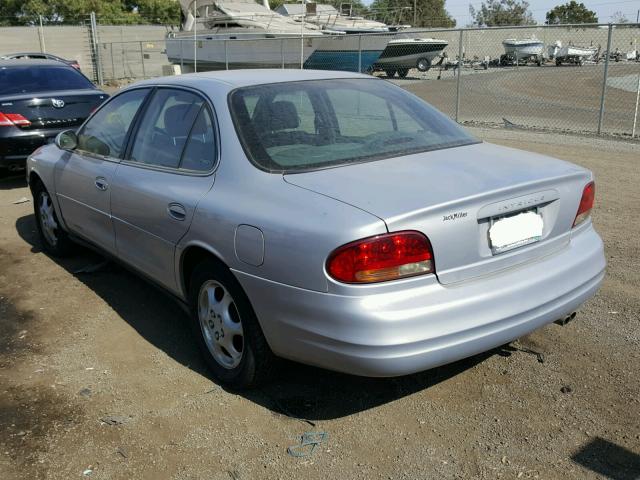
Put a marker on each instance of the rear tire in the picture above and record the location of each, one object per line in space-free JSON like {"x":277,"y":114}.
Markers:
{"x":403,"y":72}
{"x":53,"y":238}
{"x":227,"y":329}
{"x":390,"y":72}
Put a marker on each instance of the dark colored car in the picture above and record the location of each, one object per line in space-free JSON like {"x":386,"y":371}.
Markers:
{"x":38,"y":100}
{"x":40,"y":56}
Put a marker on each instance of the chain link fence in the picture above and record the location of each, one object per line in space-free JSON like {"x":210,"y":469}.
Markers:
{"x":574,"y":78}
{"x":583,"y":78}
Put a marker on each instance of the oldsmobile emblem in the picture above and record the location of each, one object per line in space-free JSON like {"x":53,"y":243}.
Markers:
{"x":57,"y":103}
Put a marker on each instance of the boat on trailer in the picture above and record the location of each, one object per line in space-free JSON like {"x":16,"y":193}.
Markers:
{"x":572,"y":53}
{"x":402,"y":54}
{"x":522,"y":51}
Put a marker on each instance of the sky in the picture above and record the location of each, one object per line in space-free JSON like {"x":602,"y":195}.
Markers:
{"x":604,"y":9}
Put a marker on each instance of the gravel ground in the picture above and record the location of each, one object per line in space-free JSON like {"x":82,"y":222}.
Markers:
{"x":564,"y":98}
{"x":99,"y":377}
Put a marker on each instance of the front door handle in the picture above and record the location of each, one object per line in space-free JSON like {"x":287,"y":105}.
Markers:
{"x":177,"y":211}
{"x":101,"y":183}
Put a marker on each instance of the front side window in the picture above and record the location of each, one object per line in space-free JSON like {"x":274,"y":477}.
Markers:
{"x":106,"y":132}
{"x":165,"y":127}
{"x":299,"y":126}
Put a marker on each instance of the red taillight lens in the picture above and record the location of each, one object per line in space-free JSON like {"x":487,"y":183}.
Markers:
{"x":4,"y":121}
{"x":586,"y":204}
{"x":384,"y":257}
{"x":13,"y":119}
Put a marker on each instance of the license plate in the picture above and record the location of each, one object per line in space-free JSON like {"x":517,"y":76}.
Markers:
{"x":507,"y":233}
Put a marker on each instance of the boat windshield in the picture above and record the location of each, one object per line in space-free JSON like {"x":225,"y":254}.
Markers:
{"x":307,"y":125}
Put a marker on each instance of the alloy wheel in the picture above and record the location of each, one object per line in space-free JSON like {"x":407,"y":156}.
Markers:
{"x":47,"y":218}
{"x":220,"y":324}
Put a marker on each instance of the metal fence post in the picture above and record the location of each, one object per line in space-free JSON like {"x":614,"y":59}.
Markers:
{"x":635,"y":114}
{"x":459,"y":80}
{"x":604,"y":80}
{"x":43,"y":47}
{"x":181,"y":56}
{"x":226,"y":56}
{"x":359,"y":53}
{"x":113,"y":65}
{"x":282,"y":51}
{"x":96,"y":47}
{"x":144,"y":73}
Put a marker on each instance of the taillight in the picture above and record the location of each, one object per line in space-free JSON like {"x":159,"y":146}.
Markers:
{"x":586,"y":203}
{"x":13,"y":119}
{"x":384,"y":257}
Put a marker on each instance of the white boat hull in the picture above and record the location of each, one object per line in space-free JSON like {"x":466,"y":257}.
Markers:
{"x":407,"y":54}
{"x":523,"y":49}
{"x":239,"y":51}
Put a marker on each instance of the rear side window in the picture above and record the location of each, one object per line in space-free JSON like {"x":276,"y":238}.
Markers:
{"x":105,"y":133}
{"x":165,"y":128}
{"x":200,"y":153}
{"x":34,"y":78}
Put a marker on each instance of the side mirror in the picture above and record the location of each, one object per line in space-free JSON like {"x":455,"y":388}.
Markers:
{"x":67,"y":140}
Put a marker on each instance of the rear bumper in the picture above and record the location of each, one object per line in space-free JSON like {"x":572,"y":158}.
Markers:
{"x":424,"y":324}
{"x":17,"y":145}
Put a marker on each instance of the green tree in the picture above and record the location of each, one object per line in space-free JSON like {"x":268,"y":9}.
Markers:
{"x":27,"y":12}
{"x":502,"y":12}
{"x":429,"y":13}
{"x":571,"y":12}
{"x":155,"y":11}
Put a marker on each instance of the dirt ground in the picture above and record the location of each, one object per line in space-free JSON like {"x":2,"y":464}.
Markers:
{"x":99,"y":377}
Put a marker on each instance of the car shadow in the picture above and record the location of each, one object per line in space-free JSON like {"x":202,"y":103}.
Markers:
{"x":609,"y":460}
{"x":300,"y":392}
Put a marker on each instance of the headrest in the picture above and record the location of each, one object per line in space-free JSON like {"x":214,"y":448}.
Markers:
{"x":178,"y":118}
{"x":283,"y":115}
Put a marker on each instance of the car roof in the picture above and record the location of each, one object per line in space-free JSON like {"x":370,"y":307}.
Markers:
{"x":17,"y":54}
{"x":32,"y":62}
{"x":244,"y":78}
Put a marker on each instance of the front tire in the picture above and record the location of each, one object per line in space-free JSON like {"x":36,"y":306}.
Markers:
{"x":226,"y":328}
{"x":403,"y":72}
{"x":390,"y":72}
{"x":53,"y":238}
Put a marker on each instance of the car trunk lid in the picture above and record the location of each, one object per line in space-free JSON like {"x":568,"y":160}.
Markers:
{"x":454,"y":195}
{"x":54,"y":109}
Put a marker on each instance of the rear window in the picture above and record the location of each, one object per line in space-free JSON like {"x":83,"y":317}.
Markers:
{"x":307,"y":125}
{"x":33,"y":78}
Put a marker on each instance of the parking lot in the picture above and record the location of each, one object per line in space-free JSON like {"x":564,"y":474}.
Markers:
{"x":100,"y":377}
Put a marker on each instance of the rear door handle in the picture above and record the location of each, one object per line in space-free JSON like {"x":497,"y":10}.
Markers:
{"x":177,"y":211}
{"x":101,"y":183}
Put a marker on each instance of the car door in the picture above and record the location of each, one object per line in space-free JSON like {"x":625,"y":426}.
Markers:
{"x":83,"y":176}
{"x":166,"y":171}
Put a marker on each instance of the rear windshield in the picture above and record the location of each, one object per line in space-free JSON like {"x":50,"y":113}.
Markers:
{"x":307,"y":125}
{"x":33,"y":78}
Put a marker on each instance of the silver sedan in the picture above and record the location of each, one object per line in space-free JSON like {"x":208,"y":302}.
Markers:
{"x":325,"y":217}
